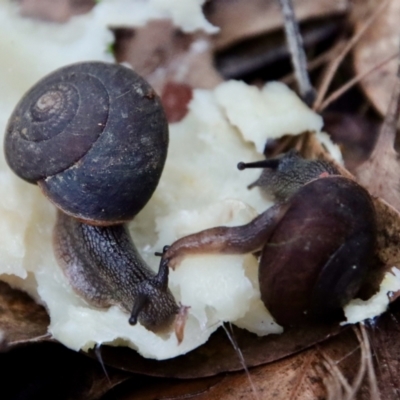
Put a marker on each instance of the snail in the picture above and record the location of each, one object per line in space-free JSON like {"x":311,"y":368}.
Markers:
{"x":93,"y":136}
{"x":317,"y":242}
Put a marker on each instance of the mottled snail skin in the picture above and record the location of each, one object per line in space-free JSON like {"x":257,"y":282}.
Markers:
{"x":227,"y":240}
{"x":86,"y":118}
{"x":283,"y":176}
{"x":94,"y":137}
{"x":98,"y":262}
{"x":317,"y":244}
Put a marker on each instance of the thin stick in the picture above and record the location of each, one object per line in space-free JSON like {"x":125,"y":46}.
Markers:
{"x":363,"y":366}
{"x":97,"y":352}
{"x":296,"y":49}
{"x":336,"y":373}
{"x":315,"y":62}
{"x":343,"y":89}
{"x":373,"y":386}
{"x":333,"y":387}
{"x":236,"y":347}
{"x":336,"y":63}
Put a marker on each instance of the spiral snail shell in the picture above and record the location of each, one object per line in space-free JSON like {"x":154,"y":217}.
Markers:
{"x":86,"y":118}
{"x":94,"y":137}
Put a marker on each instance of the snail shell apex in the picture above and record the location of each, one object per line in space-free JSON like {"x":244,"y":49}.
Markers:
{"x":94,"y":137}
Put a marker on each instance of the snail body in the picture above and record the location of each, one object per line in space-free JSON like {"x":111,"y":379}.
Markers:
{"x":98,"y":262}
{"x":93,"y":136}
{"x":316,"y":243}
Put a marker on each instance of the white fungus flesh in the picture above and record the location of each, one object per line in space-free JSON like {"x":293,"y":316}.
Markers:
{"x":358,"y":310}
{"x":200,"y":186}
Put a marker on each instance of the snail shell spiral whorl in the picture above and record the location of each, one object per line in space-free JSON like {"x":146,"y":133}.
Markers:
{"x":94,"y":137}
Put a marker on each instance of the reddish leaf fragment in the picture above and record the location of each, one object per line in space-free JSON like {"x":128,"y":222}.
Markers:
{"x":180,"y":322}
{"x":175,"y":99}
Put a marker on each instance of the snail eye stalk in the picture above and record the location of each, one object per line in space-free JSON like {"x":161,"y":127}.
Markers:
{"x":273,"y":164}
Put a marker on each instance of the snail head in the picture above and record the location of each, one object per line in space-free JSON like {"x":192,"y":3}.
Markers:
{"x":284,"y":175}
{"x":154,"y":302}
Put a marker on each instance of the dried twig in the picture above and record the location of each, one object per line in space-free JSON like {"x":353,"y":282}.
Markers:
{"x":296,"y":49}
{"x":363,"y":366}
{"x":335,"y":382}
{"x":337,"y":374}
{"x":330,"y":73}
{"x":316,"y":62}
{"x":343,"y":89}
{"x":373,"y":385}
{"x":332,"y":385}
{"x":231,"y":337}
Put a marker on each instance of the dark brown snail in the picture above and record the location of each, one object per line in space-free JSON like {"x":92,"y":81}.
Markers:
{"x":94,"y":137}
{"x":317,"y":243}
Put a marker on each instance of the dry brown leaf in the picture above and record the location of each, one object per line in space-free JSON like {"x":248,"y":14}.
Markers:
{"x":300,"y":377}
{"x":241,"y":19}
{"x":54,"y":10}
{"x":172,"y":62}
{"x":159,"y":389}
{"x":380,"y":173}
{"x":218,"y":355}
{"x":22,"y":321}
{"x":384,"y":338}
{"x":358,"y":364}
{"x":379,"y":42}
{"x":161,"y":53}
